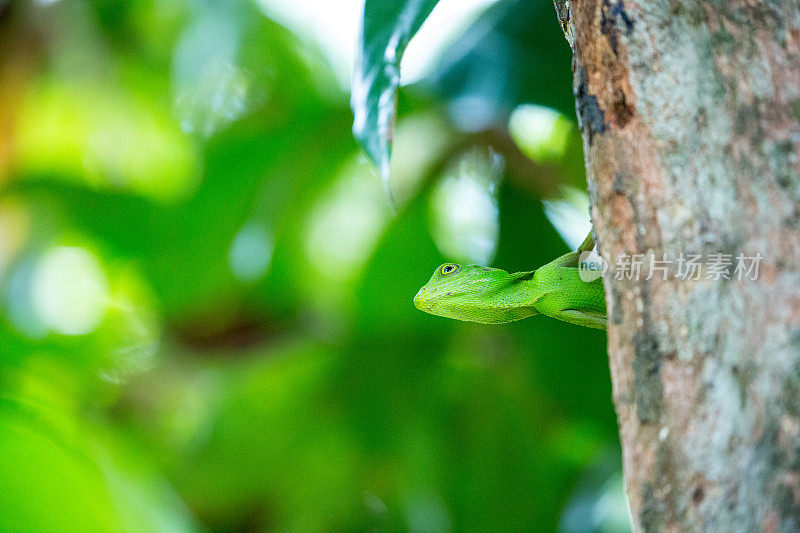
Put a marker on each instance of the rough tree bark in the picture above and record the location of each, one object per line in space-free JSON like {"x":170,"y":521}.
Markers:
{"x":689,"y":112}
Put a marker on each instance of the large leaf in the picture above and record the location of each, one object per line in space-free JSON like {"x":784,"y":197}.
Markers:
{"x":387,"y":28}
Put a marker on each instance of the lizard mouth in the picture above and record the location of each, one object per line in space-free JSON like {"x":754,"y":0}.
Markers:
{"x":424,"y":301}
{"x":420,"y":302}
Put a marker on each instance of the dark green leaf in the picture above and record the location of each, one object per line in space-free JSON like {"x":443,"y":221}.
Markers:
{"x":514,"y":54}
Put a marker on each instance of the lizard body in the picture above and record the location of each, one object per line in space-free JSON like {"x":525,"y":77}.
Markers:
{"x":476,"y":293}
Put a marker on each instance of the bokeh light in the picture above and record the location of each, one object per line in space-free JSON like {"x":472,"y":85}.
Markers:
{"x":70,"y":290}
{"x":465,"y":210}
{"x":250,"y":252}
{"x":540,"y":132}
{"x":569,"y":214}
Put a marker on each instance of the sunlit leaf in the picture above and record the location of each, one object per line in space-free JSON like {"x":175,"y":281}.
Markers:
{"x":388,"y":26}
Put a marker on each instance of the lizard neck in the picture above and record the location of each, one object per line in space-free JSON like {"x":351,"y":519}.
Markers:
{"x":516,"y":289}
{"x":511,"y":298}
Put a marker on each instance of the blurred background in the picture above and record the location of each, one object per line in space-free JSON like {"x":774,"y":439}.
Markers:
{"x":206,"y":318}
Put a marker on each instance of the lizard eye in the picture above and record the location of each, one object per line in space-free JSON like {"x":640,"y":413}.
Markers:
{"x":449,"y":269}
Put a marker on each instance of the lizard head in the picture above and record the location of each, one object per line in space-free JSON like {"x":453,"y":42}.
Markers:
{"x":473,"y":293}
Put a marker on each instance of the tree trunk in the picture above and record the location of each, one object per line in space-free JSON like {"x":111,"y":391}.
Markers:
{"x":689,"y":113}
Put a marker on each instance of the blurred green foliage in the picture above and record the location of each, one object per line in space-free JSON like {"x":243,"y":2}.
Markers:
{"x":206,"y":317}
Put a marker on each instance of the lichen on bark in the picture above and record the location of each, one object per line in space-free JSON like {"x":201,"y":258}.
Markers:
{"x":690,"y":113}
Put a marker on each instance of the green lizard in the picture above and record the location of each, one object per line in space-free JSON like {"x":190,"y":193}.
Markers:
{"x":492,"y":296}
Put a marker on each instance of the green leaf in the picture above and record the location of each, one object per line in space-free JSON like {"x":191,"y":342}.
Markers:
{"x":387,"y":28}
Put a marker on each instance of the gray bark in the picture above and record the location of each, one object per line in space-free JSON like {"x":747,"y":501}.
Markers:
{"x":690,"y":116}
